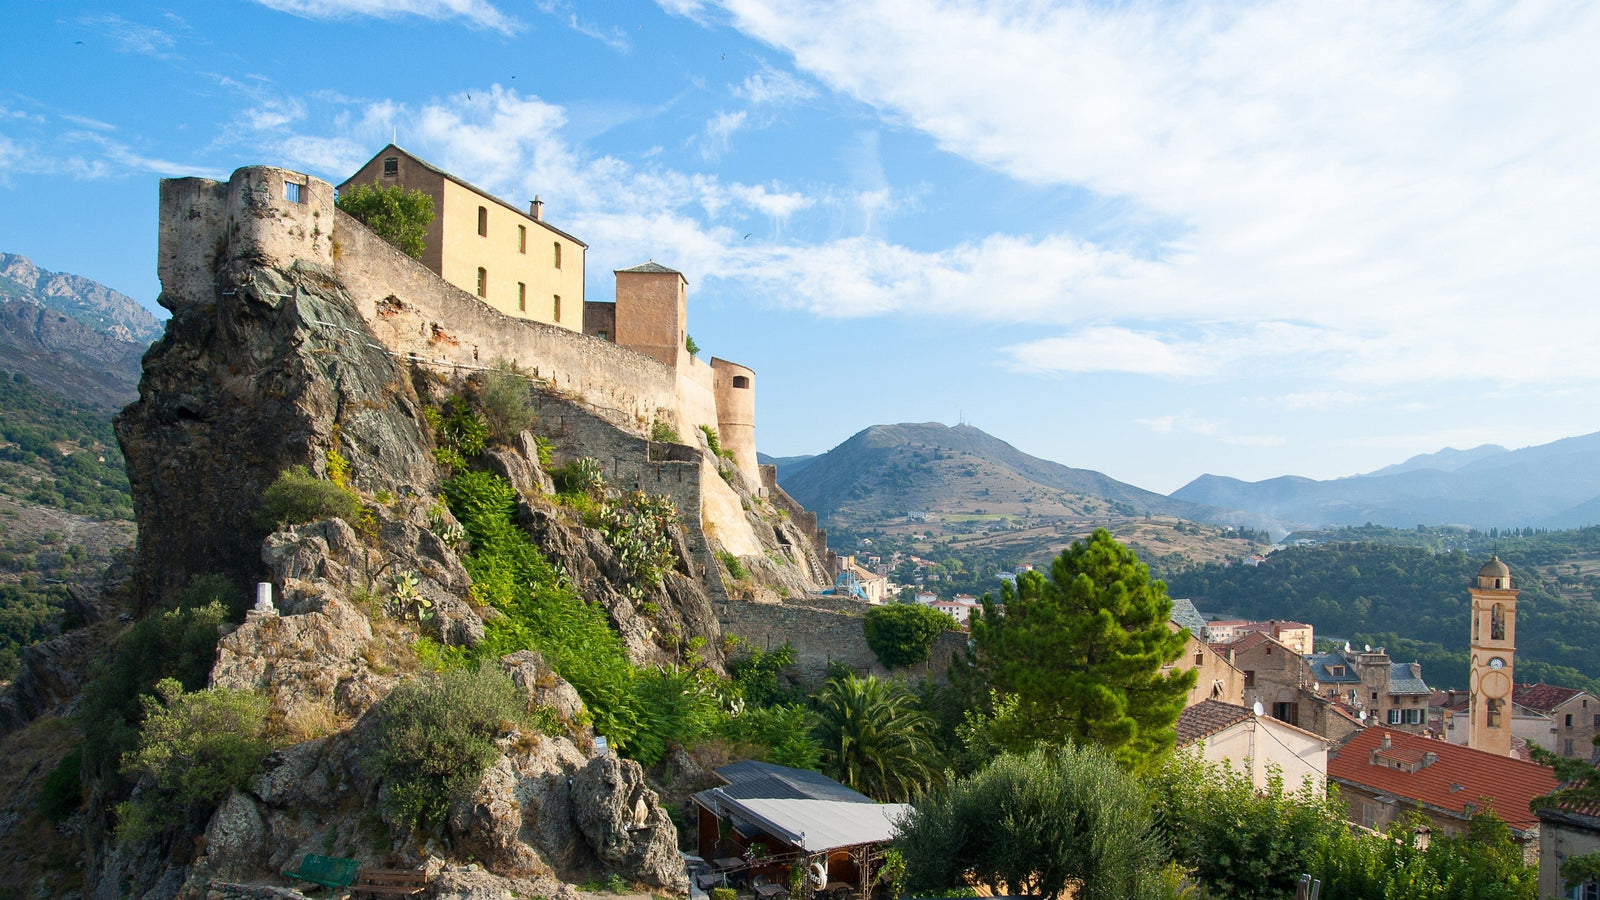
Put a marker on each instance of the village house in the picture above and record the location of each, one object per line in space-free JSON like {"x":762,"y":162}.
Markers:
{"x":766,"y":821}
{"x":1566,"y":830}
{"x":1383,"y":773}
{"x":1297,"y":636}
{"x":1257,"y":744}
{"x":1217,"y":678}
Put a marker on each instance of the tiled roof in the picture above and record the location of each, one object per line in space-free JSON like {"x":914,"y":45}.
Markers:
{"x":1543,"y":697}
{"x":471,"y":187}
{"x":1187,"y":616}
{"x":1250,"y":641}
{"x":1401,"y":681}
{"x":1475,"y":776}
{"x":651,"y":268}
{"x":1319,"y":663}
{"x":1207,"y":718}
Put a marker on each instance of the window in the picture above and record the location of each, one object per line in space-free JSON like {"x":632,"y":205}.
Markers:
{"x":1413,"y":717}
{"x":522,"y":297}
{"x":1394,"y":717}
{"x":483,"y":282}
{"x":1249,"y":678}
{"x":741,"y":381}
{"x":1497,"y":623}
{"x":522,"y":239}
{"x":558,"y":307}
{"x":391,"y":166}
{"x":557,"y":245}
{"x":1200,"y":658}
{"x":1286,"y":712}
{"x":1566,"y":747}
{"x":1494,"y":712}
{"x":1374,"y":695}
{"x":291,"y":192}
{"x":1569,"y":720}
{"x":1597,"y":721}
{"x":1336,"y":671}
{"x":1589,"y":890}
{"x":483,"y":221}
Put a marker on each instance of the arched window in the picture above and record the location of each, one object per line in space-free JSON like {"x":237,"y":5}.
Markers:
{"x":1497,"y":622}
{"x":741,"y":381}
{"x":483,"y":221}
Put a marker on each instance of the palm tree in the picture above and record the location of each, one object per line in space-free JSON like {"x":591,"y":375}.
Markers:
{"x":874,"y":739}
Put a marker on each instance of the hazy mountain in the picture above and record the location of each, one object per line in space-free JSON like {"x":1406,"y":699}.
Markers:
{"x":787,"y":465}
{"x":895,"y":469}
{"x":1551,"y":485}
{"x":1447,"y":460}
{"x":74,"y":337}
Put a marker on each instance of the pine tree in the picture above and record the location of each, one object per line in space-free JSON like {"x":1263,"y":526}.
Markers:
{"x":1079,"y":656}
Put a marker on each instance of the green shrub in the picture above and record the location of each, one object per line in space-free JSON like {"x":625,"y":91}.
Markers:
{"x":755,"y":675}
{"x":734,"y":565}
{"x":724,"y":893}
{"x":435,"y":738}
{"x":459,"y":433}
{"x":780,"y":734}
{"x":638,"y":528}
{"x":581,"y":476}
{"x":507,"y":402}
{"x":662,"y":432}
{"x":690,"y":345}
{"x":902,"y":634}
{"x":179,"y":644}
{"x":62,"y":792}
{"x":192,"y":749}
{"x":713,"y":442}
{"x":296,"y":496}
{"x":393,"y":213}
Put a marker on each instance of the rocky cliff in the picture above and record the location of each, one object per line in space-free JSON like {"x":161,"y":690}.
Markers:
{"x":268,"y":364}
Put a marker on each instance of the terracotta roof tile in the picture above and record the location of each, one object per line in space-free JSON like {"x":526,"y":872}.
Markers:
{"x":1508,"y":784}
{"x":1207,"y":718}
{"x":1543,"y":697}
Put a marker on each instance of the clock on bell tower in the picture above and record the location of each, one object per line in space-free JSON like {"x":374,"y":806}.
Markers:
{"x":1494,"y":634}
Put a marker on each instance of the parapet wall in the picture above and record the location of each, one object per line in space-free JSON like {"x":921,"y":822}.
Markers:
{"x":824,"y":631}
{"x":417,"y":314}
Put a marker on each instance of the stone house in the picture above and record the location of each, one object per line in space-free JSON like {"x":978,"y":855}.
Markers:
{"x":1260,"y":745}
{"x":1297,"y":636}
{"x":509,"y":258}
{"x":1383,"y":773}
{"x":1574,"y":717}
{"x":1564,"y":831}
{"x":1216,"y":678}
{"x":1368,"y":681}
{"x":1274,"y":675}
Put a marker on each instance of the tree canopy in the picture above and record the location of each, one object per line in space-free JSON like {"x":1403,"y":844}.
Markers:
{"x":395,"y":214}
{"x":1080,"y":656}
{"x":874,"y":738}
{"x":902,"y":633}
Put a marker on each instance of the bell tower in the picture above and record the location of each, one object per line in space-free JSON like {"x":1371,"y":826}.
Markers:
{"x":1494,"y":640}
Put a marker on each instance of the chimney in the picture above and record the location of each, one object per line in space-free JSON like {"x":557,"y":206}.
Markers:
{"x":536,"y":208}
{"x":1385,"y":743}
{"x":1416,"y":670}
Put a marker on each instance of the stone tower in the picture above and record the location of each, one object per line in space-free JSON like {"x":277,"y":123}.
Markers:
{"x":1494,"y":640}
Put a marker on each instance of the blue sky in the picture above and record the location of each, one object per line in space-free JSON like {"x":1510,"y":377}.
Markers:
{"x":1155,"y":240}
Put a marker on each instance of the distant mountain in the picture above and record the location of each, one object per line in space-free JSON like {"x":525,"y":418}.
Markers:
{"x":1553,"y":485}
{"x":787,"y":465}
{"x":889,"y":470}
{"x":1447,"y":460}
{"x":72,"y":336}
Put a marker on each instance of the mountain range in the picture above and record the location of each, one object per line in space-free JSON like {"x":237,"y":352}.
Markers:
{"x":1554,"y":485}
{"x":75,"y":337}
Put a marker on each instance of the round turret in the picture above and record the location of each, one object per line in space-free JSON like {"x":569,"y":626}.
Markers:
{"x":1494,"y":575}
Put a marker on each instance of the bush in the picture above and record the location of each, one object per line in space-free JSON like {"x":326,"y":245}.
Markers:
{"x":393,"y":213}
{"x":734,"y":565}
{"x":459,"y":433}
{"x":507,"y":402}
{"x":581,"y":476}
{"x":435,"y":738}
{"x":638,"y":528}
{"x":662,"y":432}
{"x":296,"y":496}
{"x":179,"y":644}
{"x":755,"y":675}
{"x":193,"y":748}
{"x":724,"y":893}
{"x":902,"y":634}
{"x":62,"y":792}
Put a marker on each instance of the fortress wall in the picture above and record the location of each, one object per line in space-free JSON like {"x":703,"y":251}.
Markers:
{"x":414,"y":312}
{"x":697,"y":399}
{"x":192,"y":231}
{"x":824,"y":630}
{"x":736,"y":414}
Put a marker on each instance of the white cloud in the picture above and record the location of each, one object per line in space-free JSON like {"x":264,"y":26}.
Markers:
{"x":133,"y":37}
{"x":777,"y":204}
{"x":1415,"y":182}
{"x":475,"y":12}
{"x":1317,"y":400}
{"x":563,"y":9}
{"x":719,"y":131}
{"x":771,"y":87}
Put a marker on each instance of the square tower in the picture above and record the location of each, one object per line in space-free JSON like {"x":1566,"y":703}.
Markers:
{"x":1494,"y":639}
{"x":652,"y":312}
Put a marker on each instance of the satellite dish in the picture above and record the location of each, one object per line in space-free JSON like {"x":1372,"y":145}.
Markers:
{"x":1259,"y":708}
{"x":1363,"y":715}
{"x":1369,"y":648}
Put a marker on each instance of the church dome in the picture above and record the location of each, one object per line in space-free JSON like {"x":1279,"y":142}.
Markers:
{"x":1494,"y":568}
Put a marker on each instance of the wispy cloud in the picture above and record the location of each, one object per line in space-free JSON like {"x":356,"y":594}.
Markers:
{"x":715,"y":137}
{"x":133,"y":37}
{"x":1392,"y":175}
{"x":565,"y":11}
{"x":479,"y":13}
{"x":772,"y":87}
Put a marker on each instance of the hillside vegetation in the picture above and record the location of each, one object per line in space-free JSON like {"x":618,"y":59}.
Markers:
{"x":59,"y":453}
{"x":1414,"y":601}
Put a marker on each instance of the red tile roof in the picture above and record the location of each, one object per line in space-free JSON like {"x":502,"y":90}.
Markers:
{"x":1508,"y":784}
{"x":1543,"y":697}
{"x":1249,"y":641}
{"x":1207,"y":718}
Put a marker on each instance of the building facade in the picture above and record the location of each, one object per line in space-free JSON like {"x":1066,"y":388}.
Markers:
{"x":1260,"y":745}
{"x":511,"y":259}
{"x":1494,"y":641}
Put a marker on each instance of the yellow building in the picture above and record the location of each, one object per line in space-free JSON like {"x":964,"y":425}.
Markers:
{"x":514,"y":260}
{"x":1494,"y":643}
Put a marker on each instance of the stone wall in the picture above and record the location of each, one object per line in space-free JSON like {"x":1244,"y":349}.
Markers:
{"x":417,"y":314}
{"x":825,"y":630}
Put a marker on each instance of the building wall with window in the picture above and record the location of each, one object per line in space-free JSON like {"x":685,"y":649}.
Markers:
{"x":513,"y":260}
{"x":1215,"y":677}
{"x":1563,"y":834}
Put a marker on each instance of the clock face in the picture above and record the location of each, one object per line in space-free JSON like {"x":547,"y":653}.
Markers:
{"x":1497,"y":663}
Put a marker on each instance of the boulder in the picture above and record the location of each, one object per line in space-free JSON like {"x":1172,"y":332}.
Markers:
{"x":626,"y":825}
